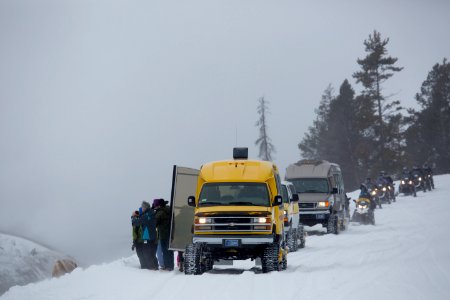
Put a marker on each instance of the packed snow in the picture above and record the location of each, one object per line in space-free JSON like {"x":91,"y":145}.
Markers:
{"x":406,"y":255}
{"x":23,"y":261}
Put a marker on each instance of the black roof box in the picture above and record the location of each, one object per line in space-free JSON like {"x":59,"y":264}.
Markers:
{"x":240,"y":153}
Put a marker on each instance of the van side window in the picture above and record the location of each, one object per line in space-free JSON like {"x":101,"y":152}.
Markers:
{"x":337,"y":183}
{"x":278,"y":181}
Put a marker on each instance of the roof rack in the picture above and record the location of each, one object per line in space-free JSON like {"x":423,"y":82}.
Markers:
{"x":314,"y":162}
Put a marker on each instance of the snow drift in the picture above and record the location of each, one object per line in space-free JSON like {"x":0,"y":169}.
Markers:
{"x":23,"y":261}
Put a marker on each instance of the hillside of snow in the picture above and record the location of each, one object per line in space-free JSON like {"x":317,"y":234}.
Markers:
{"x":23,"y":262}
{"x":405,"y":256}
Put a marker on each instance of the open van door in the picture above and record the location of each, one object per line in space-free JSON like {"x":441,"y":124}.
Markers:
{"x":184,"y":184}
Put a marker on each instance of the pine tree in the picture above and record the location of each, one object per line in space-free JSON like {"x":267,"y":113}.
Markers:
{"x":428,"y":137}
{"x":343,"y":136}
{"x":266,"y":148}
{"x":313,"y":145}
{"x":334,"y":135}
{"x":376,"y":68}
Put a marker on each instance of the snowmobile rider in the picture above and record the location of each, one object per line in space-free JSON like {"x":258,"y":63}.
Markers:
{"x":146,"y":241}
{"x":406,"y":173}
{"x":428,"y":172}
{"x":370,"y":187}
{"x":162,"y":214}
{"x":365,"y":193}
{"x":418,"y":173}
{"x":390,"y":183}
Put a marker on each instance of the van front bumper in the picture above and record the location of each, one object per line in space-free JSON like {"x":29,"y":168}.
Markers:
{"x":314,"y":217}
{"x":242,"y":239}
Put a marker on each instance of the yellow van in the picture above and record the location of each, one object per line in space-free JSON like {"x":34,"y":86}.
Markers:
{"x":293,"y":229}
{"x":238,"y":215}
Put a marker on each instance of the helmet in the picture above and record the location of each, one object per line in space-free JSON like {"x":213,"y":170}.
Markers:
{"x":382,"y":173}
{"x":425,"y":166}
{"x":368,"y":179}
{"x":415,"y":167}
{"x":405,"y":169}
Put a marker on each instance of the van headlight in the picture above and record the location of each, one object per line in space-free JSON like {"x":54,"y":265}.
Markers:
{"x":323,"y":204}
{"x":203,"y":221}
{"x":261,"y":220}
{"x":403,"y":182}
{"x":384,"y":189}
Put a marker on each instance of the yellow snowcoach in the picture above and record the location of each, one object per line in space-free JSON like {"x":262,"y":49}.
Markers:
{"x":238,"y":214}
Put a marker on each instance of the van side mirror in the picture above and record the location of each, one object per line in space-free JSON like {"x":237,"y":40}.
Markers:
{"x":335,"y":191}
{"x":295,"y":198}
{"x":277,"y":200}
{"x":191,"y":201}
{"x":354,"y":200}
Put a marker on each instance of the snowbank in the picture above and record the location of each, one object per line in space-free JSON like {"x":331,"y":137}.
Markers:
{"x":23,"y":261}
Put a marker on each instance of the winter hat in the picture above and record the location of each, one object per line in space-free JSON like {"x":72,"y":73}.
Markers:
{"x":158,"y":202}
{"x":145,"y":205}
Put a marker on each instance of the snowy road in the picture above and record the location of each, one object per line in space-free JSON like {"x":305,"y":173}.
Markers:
{"x":405,"y":256}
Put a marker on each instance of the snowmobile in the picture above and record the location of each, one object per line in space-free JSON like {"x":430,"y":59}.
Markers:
{"x":364,"y":211}
{"x":374,"y":195}
{"x":419,"y":182}
{"x":384,"y":196}
{"x":407,"y":186}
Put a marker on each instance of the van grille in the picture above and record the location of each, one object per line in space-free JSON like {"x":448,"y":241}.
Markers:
{"x":233,"y":224}
{"x":307,"y":205}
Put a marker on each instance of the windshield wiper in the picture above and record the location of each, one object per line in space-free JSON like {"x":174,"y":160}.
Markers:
{"x":312,"y":191}
{"x":244,"y":203}
{"x":212,"y":203}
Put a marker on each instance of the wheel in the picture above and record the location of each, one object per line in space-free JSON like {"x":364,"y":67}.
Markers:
{"x":269,"y":258}
{"x":292,"y":240}
{"x":193,"y":259}
{"x":333,"y":225}
{"x":301,"y":235}
{"x":284,"y":262}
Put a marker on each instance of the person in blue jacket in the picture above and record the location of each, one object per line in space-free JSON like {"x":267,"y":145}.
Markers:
{"x":147,"y":242}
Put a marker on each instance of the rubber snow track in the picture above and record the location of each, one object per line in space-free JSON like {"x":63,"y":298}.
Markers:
{"x":405,"y":256}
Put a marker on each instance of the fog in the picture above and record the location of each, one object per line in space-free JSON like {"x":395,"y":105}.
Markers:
{"x":99,"y":99}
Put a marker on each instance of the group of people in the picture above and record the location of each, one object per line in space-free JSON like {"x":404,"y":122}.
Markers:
{"x":425,"y":172}
{"x":151,"y":231}
{"x":383,"y":179}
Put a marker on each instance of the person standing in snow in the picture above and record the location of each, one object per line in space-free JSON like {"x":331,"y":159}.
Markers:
{"x":162,"y":213}
{"x":146,"y":242}
{"x":137,"y":233}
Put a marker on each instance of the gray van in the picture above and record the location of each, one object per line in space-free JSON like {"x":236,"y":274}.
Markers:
{"x":320,"y":188}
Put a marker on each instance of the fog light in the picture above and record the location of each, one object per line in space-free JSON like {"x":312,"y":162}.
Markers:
{"x":260,"y":227}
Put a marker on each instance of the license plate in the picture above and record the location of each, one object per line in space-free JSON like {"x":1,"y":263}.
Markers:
{"x":231,"y":243}
{"x":320,"y":217}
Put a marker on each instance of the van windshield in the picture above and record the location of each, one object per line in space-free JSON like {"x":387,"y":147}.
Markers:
{"x":311,"y":185}
{"x":234,"y":193}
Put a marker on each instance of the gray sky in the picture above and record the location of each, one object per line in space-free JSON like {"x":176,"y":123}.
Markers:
{"x":99,"y":99}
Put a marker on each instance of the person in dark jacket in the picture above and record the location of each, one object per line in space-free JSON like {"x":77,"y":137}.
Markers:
{"x":162,"y":213}
{"x":146,"y":243}
{"x":137,"y":233}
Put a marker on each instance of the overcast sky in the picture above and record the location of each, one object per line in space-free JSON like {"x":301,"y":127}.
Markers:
{"x":99,"y":99}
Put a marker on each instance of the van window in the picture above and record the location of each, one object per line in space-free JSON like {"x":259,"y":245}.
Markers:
{"x":234,"y":193}
{"x":311,"y":185}
{"x":278,"y":181}
{"x":292,"y":188}
{"x":284,"y":194}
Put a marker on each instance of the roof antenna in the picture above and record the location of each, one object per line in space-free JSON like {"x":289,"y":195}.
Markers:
{"x":236,"y":137}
